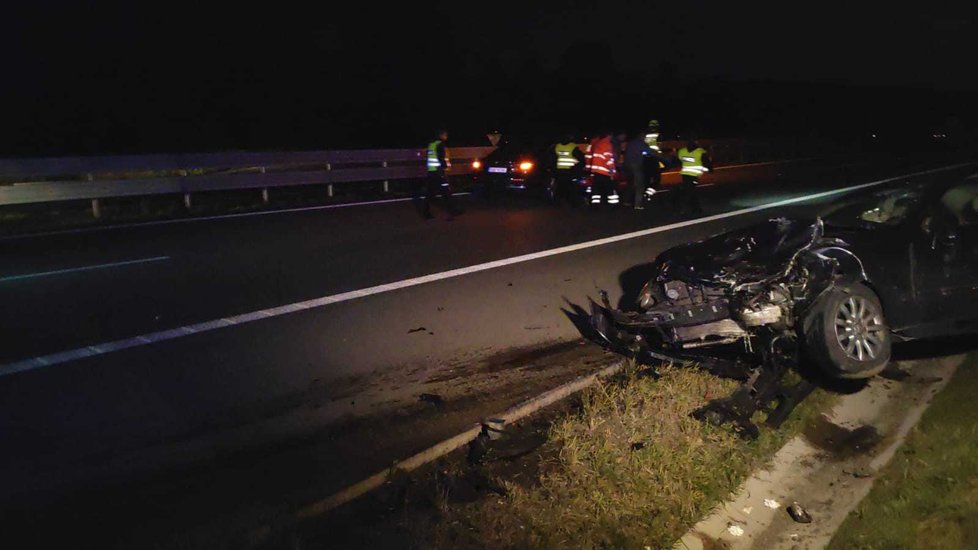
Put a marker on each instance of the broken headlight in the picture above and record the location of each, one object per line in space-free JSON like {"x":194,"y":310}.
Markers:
{"x":645,"y":298}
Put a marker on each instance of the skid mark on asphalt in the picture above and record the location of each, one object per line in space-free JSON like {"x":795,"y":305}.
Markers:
{"x":197,"y":328}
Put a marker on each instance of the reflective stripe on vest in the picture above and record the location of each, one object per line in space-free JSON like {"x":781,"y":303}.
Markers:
{"x":600,"y":157}
{"x":692,"y":161}
{"x":565,"y":155}
{"x":652,"y":140}
{"x":433,"y":163}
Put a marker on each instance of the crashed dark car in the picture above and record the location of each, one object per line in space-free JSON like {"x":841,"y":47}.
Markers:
{"x":836,"y":291}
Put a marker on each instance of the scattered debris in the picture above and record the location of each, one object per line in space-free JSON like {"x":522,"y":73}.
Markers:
{"x":493,"y":428}
{"x":478,"y":448}
{"x":799,"y":514}
{"x":419,"y":329}
{"x":735,"y":530}
{"x":772,"y":504}
{"x":747,"y":510}
{"x":858,"y":473}
{"x":794,"y":537}
{"x":638,"y":445}
{"x":649,"y":373}
{"x":432,"y":398}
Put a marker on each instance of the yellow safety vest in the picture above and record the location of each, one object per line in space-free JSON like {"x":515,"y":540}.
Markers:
{"x":565,"y":155}
{"x":433,"y":163}
{"x":692,"y":162}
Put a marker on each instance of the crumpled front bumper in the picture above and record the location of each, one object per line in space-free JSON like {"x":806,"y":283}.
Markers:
{"x":619,"y":328}
{"x":674,"y":325}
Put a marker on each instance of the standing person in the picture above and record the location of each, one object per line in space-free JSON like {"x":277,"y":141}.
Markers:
{"x":437,"y":180}
{"x":637,"y":154}
{"x":654,"y":165}
{"x":568,"y":159}
{"x":600,"y":160}
{"x":695,"y":162}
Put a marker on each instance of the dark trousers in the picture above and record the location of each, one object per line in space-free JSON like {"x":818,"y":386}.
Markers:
{"x":437,"y":183}
{"x":565,"y":186}
{"x":638,"y":182}
{"x":601,"y":186}
{"x":687,"y":198}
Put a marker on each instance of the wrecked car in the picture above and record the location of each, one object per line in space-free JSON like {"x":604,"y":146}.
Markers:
{"x":836,"y":290}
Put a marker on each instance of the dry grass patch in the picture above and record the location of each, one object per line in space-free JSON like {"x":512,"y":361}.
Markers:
{"x":629,"y":469}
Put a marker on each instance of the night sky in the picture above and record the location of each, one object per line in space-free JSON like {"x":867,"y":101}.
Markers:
{"x":134,"y":77}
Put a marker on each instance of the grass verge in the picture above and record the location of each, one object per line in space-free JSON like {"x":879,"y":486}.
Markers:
{"x":627,"y":467}
{"x":927,"y":497}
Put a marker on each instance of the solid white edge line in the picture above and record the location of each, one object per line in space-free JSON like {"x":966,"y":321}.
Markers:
{"x":205,"y":326}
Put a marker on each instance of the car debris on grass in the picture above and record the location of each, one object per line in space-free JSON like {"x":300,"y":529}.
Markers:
{"x":576,"y":478}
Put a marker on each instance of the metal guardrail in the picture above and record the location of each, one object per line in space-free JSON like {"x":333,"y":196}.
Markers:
{"x":41,"y":180}
{"x":93,"y":178}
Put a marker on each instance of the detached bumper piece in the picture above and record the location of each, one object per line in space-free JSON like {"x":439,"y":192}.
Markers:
{"x":762,"y":388}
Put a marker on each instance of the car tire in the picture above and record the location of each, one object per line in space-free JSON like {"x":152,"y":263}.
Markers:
{"x":845,"y":333}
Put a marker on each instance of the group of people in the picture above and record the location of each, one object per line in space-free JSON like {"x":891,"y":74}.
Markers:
{"x":638,"y":158}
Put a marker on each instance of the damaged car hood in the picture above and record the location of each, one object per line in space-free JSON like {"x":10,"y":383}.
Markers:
{"x":753,"y":253}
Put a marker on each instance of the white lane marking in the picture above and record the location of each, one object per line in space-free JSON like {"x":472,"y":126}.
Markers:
{"x":301,"y":209}
{"x":80,"y":269}
{"x":210,"y":218}
{"x":153,"y":337}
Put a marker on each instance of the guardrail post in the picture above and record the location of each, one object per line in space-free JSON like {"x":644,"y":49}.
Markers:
{"x":386,"y":182}
{"x":329,"y":187}
{"x":96,"y":210}
{"x":264,"y":190}
{"x":186,"y":200}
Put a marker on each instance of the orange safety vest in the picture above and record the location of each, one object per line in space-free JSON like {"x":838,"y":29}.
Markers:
{"x":600,"y":157}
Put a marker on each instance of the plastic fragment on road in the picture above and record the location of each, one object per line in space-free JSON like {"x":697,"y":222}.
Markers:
{"x":736,"y":530}
{"x":798,"y":513}
{"x":772,"y":504}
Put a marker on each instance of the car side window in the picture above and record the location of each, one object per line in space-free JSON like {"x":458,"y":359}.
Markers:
{"x":959,"y":204}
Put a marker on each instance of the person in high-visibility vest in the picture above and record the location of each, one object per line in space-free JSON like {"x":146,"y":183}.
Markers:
{"x":654,"y":165}
{"x":437,"y":162}
{"x":637,"y":155}
{"x":694,"y":162}
{"x":600,"y":163}
{"x":652,"y":135}
{"x":568,"y":160}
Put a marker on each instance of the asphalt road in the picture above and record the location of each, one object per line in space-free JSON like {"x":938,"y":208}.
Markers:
{"x":180,"y":398}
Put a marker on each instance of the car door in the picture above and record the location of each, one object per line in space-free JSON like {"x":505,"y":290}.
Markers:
{"x":947,"y":259}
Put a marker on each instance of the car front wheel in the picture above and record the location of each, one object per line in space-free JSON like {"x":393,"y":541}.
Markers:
{"x":846,"y":333}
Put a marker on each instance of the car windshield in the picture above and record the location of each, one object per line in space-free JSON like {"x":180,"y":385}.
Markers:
{"x":883,"y":208}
